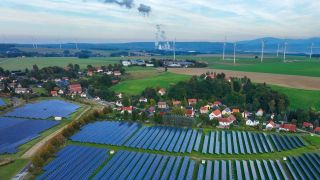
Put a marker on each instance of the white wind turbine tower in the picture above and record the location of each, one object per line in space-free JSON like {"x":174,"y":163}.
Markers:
{"x":224,"y":48}
{"x":174,"y":49}
{"x":262,"y":49}
{"x":311,"y":50}
{"x":234,"y":52}
{"x":285,"y":51}
{"x":278,"y":50}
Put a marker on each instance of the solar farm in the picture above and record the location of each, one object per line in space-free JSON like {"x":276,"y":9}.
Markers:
{"x":183,"y":140}
{"x":2,"y":103}
{"x":81,"y":162}
{"x":44,"y":110}
{"x":16,"y":131}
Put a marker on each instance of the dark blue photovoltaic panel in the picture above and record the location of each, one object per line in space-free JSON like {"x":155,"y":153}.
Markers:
{"x":275,"y":170}
{"x":44,"y":109}
{"x":258,"y":143}
{"x":235,"y":142}
{"x":253,"y":170}
{"x":229,"y":146}
{"x":137,"y":167}
{"x":174,"y":140}
{"x":107,"y":132}
{"x":224,"y":169}
{"x":186,"y":141}
{"x":245,"y":168}
{"x":198,"y":140}
{"x":192,"y":141}
{"x":2,"y":103}
{"x":157,"y":174}
{"x":216,"y":173}
{"x":132,"y":164}
{"x":205,"y":144}
{"x":169,"y":139}
{"x":145,"y":167}
{"x":180,"y":141}
{"x":211,"y":142}
{"x":156,"y":140}
{"x":266,"y":167}
{"x":223,"y":142}
{"x":238,"y":168}
{"x":254,"y":150}
{"x":183,"y":168}
{"x":123,"y":165}
{"x":17,"y":131}
{"x":163,"y":139}
{"x":262,"y":176}
{"x":208,"y":170}
{"x":217,"y":148}
{"x":77,"y":162}
{"x":240,"y":143}
{"x":151,"y":138}
{"x":282,"y":170}
{"x":246,"y":143}
{"x":153,"y":167}
{"x":190,"y":170}
{"x":174,"y":171}
{"x":268,"y":142}
{"x":200,"y":172}
{"x":168,"y":167}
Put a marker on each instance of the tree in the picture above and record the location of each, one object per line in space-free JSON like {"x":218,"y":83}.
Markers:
{"x":76,"y":67}
{"x":204,"y":118}
{"x":157,"y":118}
{"x":35,"y":68}
{"x":272,"y":105}
{"x":178,"y":111}
{"x":125,"y":115}
{"x":134,"y":115}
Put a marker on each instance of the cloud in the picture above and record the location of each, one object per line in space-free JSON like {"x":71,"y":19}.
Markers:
{"x":126,"y":3}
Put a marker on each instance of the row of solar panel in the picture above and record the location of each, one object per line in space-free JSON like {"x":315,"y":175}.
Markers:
{"x":75,"y":162}
{"x":166,"y":139}
{"x":2,"y":103}
{"x":305,"y":166}
{"x":114,"y":133}
{"x":79,"y":162}
{"x":132,"y":165}
{"x":44,"y":109}
{"x":283,"y":143}
{"x":16,"y":131}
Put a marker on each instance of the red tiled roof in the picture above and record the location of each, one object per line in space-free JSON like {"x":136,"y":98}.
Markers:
{"x":217,"y":103}
{"x":189,"y":112}
{"x":54,"y":93}
{"x":129,"y":108}
{"x":228,"y":119}
{"x":75,"y":88}
{"x":317,"y":129}
{"x":176,"y":102}
{"x":192,"y":100}
{"x":216,"y":112}
{"x":290,"y":127}
{"x":307,"y":124}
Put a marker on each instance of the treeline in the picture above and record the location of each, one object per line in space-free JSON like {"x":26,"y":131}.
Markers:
{"x":234,"y":92}
{"x":48,"y":150}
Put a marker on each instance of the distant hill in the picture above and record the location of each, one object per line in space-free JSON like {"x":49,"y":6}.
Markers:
{"x":295,"y":46}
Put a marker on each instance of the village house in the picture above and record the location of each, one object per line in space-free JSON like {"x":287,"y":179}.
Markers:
{"x":226,"y":111}
{"x":83,"y":95}
{"x":90,"y":73}
{"x":271,"y":125}
{"x":189,"y":113}
{"x":60,"y":92}
{"x":210,"y":76}
{"x":235,"y":110}
{"x":143,"y":99}
{"x":246,"y":114}
{"x":250,"y":122}
{"x":117,"y":73}
{"x":162,"y":91}
{"x":75,"y":89}
{"x":226,"y":122}
{"x":215,"y":114}
{"x":21,"y":90}
{"x":129,"y":109}
{"x":317,"y":130}
{"x":204,"y":110}
{"x":307,"y":125}
{"x":119,"y":103}
{"x":109,"y":72}
{"x":162,"y":105}
{"x":54,"y":93}
{"x":259,"y":112}
{"x":176,"y":103}
{"x":217,"y":104}
{"x":119,"y":95}
{"x":99,"y":70}
{"x":289,"y":127}
{"x":192,"y":101}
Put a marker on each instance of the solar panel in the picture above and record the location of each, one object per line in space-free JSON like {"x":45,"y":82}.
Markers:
{"x":240,"y":143}
{"x":163,"y":139}
{"x":168,"y":168}
{"x":224,"y":170}
{"x":174,"y":171}
{"x":217,"y":148}
{"x":124,"y":165}
{"x":297,"y":167}
{"x":235,"y":142}
{"x":283,"y":173}
{"x":268,"y":142}
{"x":244,"y":135}
{"x":245,"y":168}
{"x":192,"y":141}
{"x":174,"y":140}
{"x":198,"y":140}
{"x":27,"y":130}
{"x":137,"y":166}
{"x":265,"y":148}
{"x":150,"y":140}
{"x":156,"y":140}
{"x":208,"y":170}
{"x":266,"y":167}
{"x":257,"y":142}
{"x":180,"y":141}
{"x":230,"y":170}
{"x":251,"y":141}
{"x":229,"y":143}
{"x":205,"y":144}
{"x":190,"y":170}
{"x":183,"y":168}
{"x":158,"y":171}
{"x":223,"y":142}
{"x":200,"y":172}
{"x":153,"y":167}
{"x":211,"y":142}
{"x":216,"y":174}
{"x":2,"y":103}
{"x":186,"y":141}
{"x":169,"y":139}
{"x":253,"y":170}
{"x":239,"y":171}
{"x":145,"y":167}
{"x":44,"y":109}
{"x":275,"y":170}
{"x":262,"y":176}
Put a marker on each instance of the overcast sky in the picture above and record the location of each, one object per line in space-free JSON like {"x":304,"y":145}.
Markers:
{"x":188,"y":20}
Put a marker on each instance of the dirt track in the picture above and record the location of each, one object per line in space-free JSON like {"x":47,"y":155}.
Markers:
{"x":292,"y":81}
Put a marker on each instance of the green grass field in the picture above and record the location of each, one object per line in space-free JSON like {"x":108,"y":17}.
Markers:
{"x":300,"y":98}
{"x":10,"y":170}
{"x":141,"y":81}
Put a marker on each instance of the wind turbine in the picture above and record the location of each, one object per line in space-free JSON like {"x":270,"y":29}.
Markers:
{"x":311,"y":50}
{"x":224,"y":48}
{"x":262,"y":49}
{"x":284,"y":51}
{"x":278,"y":50}
{"x":174,"y":49}
{"x":234,"y":52}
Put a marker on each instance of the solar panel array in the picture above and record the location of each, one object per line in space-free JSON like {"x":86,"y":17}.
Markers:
{"x":218,"y":169}
{"x":305,"y":166}
{"x":114,"y":133}
{"x":233,"y":142}
{"x":259,"y":169}
{"x":136,"y":165}
{"x":169,"y":139}
{"x":75,"y":162}
{"x":2,"y":103}
{"x":44,"y":109}
{"x":15,"y":132}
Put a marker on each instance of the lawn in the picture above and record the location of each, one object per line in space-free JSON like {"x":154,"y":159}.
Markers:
{"x":10,"y":170}
{"x":300,"y":98}
{"x":140,"y":81}
{"x":22,"y":63}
